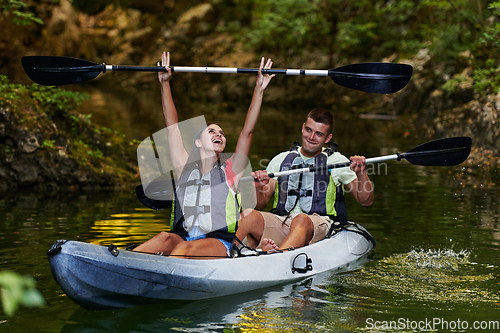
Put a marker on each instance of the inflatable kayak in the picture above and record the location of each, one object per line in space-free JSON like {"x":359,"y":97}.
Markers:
{"x":100,"y":277}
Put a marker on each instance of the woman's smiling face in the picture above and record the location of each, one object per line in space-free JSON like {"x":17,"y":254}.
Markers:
{"x":212,"y":138}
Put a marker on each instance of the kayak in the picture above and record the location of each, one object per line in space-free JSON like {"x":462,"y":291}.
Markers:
{"x":98,"y":277}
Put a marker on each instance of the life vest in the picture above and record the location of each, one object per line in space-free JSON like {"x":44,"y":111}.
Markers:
{"x":208,"y":198}
{"x":315,"y":192}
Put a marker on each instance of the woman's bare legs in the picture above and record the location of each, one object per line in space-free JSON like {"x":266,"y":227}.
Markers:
{"x":206,"y":248}
{"x":164,"y":242}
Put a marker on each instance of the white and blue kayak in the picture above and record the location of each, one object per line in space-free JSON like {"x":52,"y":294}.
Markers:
{"x":100,"y":277}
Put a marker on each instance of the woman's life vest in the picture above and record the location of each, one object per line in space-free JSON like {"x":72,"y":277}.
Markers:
{"x":207,"y":199}
{"x":315,"y":192}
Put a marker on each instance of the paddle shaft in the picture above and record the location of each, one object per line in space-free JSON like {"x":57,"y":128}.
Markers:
{"x":220,"y":70}
{"x":410,"y":156}
{"x":328,"y":167}
{"x":331,"y":166}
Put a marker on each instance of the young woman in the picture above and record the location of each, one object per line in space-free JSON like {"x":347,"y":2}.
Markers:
{"x":206,"y":206}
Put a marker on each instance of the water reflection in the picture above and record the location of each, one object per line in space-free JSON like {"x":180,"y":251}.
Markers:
{"x":290,"y":308}
{"x":124,"y":229}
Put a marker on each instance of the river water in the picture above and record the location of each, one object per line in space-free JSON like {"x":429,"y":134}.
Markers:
{"x":435,"y":265}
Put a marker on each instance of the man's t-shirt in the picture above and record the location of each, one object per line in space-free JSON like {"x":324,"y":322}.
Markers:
{"x":341,"y":176}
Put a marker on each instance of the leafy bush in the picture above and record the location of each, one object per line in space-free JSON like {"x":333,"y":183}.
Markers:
{"x":50,"y":98}
{"x":17,"y":8}
{"x":18,"y":290}
{"x":486,"y":50}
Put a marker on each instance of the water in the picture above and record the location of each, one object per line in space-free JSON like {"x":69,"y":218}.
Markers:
{"x":436,"y":261}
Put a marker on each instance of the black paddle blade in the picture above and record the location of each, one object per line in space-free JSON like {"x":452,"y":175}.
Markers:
{"x":151,"y":203}
{"x":373,"y":77}
{"x":442,"y":152}
{"x":57,"y":71}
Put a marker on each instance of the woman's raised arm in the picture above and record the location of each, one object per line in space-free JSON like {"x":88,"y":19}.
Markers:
{"x":240,"y":159}
{"x":178,"y":154}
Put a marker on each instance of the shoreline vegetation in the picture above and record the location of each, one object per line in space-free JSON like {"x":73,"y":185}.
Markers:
{"x":47,"y":145}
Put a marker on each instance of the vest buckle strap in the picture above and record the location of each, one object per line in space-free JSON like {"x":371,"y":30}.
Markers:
{"x":305,"y":193}
{"x":301,"y":166}
{"x":300,"y":193}
{"x":202,"y":209}
{"x":195,"y":210}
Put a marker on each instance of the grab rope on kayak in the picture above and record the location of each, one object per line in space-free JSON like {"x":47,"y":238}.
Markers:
{"x":351,"y":227}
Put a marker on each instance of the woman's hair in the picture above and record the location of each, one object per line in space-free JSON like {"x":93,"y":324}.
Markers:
{"x":194,"y":159}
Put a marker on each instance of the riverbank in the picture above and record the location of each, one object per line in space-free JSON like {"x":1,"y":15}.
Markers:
{"x":45,"y":144}
{"x":436,"y":106}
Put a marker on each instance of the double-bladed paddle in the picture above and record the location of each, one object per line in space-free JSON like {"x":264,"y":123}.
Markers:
{"x":374,"y":77}
{"x":441,"y":152}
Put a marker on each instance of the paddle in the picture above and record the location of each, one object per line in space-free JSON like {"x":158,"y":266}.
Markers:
{"x":155,"y":204}
{"x":441,"y":152}
{"x":375,"y":77}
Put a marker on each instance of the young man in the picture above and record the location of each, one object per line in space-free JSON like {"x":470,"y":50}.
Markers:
{"x":304,"y":204}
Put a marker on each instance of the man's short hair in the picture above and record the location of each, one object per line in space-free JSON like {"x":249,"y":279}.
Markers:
{"x":322,"y":116}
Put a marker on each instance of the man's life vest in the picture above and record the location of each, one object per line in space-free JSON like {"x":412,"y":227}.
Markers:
{"x":208,"y":198}
{"x":315,"y":192}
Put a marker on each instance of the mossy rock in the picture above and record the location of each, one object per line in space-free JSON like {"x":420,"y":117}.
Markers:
{"x":45,"y":142}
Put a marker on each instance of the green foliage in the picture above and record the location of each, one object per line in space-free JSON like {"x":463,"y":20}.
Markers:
{"x":10,"y":91}
{"x":83,"y":151}
{"x":18,"y":290}
{"x":51,"y":98}
{"x":367,"y":30}
{"x":48,"y":144}
{"x":486,"y":50}
{"x":96,"y":154}
{"x":283,"y":24}
{"x":17,"y":8}
{"x":56,"y":98}
{"x":452,"y":85}
{"x":355,"y":36}
{"x":487,"y":80}
{"x":361,"y":29}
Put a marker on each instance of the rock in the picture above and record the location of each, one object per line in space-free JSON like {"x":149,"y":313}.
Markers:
{"x":81,"y":176}
{"x":4,"y":115}
{"x":28,"y":144}
{"x":26,"y":171}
